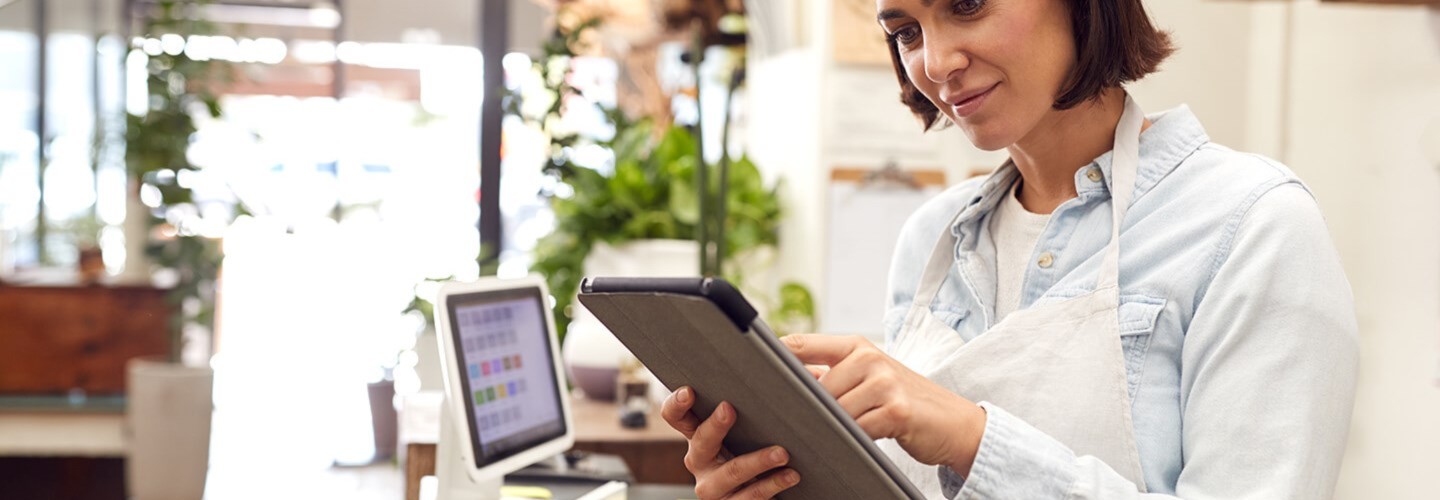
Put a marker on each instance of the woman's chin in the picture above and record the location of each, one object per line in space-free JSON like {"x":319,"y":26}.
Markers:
{"x":986,"y":138}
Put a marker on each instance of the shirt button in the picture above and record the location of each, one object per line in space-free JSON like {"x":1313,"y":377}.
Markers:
{"x":1046,"y":260}
{"x":1094,"y":174}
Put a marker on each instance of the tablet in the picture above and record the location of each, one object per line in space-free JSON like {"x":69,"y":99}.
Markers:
{"x":506,"y":396}
{"x":702,"y":333}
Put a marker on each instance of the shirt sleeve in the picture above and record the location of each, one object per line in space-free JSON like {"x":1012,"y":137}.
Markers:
{"x":1267,"y":384}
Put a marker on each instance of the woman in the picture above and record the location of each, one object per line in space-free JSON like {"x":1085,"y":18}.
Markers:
{"x":1123,"y":309}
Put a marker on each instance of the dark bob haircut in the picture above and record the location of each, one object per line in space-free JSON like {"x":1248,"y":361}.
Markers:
{"x":1115,"y":43}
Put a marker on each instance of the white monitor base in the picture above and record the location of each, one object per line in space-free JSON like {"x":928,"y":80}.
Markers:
{"x":451,"y":469}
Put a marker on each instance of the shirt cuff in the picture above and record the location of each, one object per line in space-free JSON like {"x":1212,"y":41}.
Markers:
{"x":1015,"y":460}
{"x":950,"y":481}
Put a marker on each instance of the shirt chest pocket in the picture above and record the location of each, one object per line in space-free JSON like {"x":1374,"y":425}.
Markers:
{"x":1137,"y":314}
{"x":950,"y":316}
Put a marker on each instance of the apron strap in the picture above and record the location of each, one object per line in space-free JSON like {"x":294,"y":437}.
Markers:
{"x":942,"y":257}
{"x":1125,"y":160}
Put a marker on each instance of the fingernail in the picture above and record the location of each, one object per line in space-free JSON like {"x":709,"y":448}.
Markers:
{"x":777,"y":455}
{"x":683,"y":395}
{"x":791,"y":478}
{"x":725,"y":413}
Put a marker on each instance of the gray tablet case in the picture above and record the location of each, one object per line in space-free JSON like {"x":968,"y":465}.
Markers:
{"x":680,"y":332}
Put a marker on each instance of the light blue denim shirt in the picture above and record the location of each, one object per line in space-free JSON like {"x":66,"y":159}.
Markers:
{"x":1236,"y":321}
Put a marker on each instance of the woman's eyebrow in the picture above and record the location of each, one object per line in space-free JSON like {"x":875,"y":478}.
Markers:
{"x":888,"y":14}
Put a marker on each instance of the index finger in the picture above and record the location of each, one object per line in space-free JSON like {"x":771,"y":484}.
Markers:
{"x":676,"y":411}
{"x":817,"y":349}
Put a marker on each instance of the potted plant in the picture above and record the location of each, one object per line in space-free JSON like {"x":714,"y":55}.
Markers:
{"x":169,"y":400}
{"x":660,"y":210}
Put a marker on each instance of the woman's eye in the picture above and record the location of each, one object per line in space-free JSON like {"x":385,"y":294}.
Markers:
{"x":967,"y":7}
{"x":905,"y":35}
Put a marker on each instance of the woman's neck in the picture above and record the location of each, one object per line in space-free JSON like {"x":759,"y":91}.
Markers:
{"x":1064,"y":141}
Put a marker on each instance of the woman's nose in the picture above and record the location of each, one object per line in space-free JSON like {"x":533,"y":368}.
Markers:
{"x":944,"y":58}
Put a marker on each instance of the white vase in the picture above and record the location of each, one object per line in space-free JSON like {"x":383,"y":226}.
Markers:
{"x":136,"y":229}
{"x":592,"y":354}
{"x":168,"y":425}
{"x":7,"y":255}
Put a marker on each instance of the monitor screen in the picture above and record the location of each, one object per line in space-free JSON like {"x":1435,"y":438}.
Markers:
{"x":507,"y":371}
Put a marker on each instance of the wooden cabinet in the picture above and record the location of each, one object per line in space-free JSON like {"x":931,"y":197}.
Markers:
{"x":57,"y":339}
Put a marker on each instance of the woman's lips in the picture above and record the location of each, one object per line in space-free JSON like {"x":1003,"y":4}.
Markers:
{"x":972,"y":104}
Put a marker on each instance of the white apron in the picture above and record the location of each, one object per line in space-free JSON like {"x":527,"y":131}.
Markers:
{"x":1059,"y":366}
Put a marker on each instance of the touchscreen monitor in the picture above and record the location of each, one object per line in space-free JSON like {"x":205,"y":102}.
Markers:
{"x":503,"y":352}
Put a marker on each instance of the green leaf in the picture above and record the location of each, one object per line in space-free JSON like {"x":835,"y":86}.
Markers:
{"x":795,"y":298}
{"x":629,"y":186}
{"x":631,"y":143}
{"x":677,"y":144}
{"x":212,"y":106}
{"x":745,"y":179}
{"x":684,"y":196}
{"x":743,"y":236}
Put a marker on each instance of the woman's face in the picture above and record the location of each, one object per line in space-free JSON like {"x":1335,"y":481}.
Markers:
{"x":994,"y":67}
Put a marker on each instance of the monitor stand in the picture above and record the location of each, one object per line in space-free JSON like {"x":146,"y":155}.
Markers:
{"x":451,"y":469}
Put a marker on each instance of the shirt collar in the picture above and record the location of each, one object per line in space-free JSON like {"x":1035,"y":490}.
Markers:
{"x":1173,"y":135}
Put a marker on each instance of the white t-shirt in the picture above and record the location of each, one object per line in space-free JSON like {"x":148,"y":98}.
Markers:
{"x":1015,"y":231}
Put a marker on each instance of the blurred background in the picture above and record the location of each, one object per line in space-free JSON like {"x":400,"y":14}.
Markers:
{"x":257,"y":199}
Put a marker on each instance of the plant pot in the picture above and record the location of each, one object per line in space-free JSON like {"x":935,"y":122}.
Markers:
{"x":168,"y":424}
{"x":7,"y":253}
{"x":91,"y":265}
{"x":592,"y":354}
{"x":136,"y":229}
{"x":383,"y":418}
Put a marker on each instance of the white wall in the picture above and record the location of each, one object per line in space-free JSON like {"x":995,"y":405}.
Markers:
{"x":783,"y":138}
{"x":1365,"y":87}
{"x":1347,"y":95}
{"x":1209,"y":71}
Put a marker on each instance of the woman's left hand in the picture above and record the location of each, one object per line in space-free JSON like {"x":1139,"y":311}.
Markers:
{"x":888,"y":400}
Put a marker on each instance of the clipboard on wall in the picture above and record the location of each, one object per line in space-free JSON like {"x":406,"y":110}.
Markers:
{"x":867,"y":208}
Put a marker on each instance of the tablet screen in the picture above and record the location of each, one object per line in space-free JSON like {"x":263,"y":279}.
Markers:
{"x":508,"y":372}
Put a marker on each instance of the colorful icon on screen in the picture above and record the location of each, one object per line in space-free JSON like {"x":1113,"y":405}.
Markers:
{"x":489,"y":393}
{"x":479,"y":397}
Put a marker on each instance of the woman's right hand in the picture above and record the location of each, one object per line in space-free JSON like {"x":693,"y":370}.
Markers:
{"x":718,"y":476}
